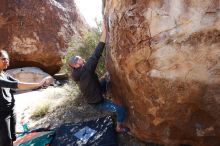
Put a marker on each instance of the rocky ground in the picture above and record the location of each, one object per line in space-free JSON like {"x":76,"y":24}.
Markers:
{"x":60,"y":104}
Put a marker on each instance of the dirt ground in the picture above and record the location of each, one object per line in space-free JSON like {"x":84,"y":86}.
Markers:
{"x":62,"y":104}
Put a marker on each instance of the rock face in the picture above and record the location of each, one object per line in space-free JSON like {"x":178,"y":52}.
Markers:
{"x":164,"y":62}
{"x":28,"y":74}
{"x":36,"y":32}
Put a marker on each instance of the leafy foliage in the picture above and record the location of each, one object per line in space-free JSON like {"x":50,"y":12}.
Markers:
{"x":84,"y":46}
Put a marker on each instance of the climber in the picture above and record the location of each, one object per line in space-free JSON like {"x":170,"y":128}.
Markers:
{"x":84,"y":75}
{"x":7,"y":101}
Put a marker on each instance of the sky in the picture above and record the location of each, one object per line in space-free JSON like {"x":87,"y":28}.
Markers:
{"x":91,"y":10}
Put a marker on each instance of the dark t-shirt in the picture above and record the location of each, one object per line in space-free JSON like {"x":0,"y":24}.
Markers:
{"x":7,"y":83}
{"x":87,"y":79}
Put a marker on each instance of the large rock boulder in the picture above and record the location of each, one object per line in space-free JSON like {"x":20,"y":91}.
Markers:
{"x":36,"y":32}
{"x":164,"y":62}
{"x":28,"y":74}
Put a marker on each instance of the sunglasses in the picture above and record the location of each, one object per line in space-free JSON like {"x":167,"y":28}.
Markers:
{"x":4,"y":59}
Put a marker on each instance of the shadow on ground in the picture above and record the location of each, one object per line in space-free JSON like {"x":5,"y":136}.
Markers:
{"x":65,"y":105}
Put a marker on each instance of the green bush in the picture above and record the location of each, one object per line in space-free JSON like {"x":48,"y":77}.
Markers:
{"x":84,"y":46}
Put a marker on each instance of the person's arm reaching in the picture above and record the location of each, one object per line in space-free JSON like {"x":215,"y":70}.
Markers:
{"x":94,"y":58}
{"x":44,"y":81}
{"x":23,"y":85}
{"x":8,"y":84}
{"x":103,"y":35}
{"x":19,"y":85}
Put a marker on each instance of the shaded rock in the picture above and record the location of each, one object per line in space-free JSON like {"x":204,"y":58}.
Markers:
{"x":61,"y":76}
{"x":36,"y":32}
{"x":163,"y":58}
{"x":28,"y":74}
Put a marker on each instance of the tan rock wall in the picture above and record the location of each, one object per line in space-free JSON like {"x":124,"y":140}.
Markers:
{"x":36,"y":32}
{"x":164,"y":60}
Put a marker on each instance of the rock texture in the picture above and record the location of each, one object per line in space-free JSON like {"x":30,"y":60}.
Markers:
{"x":28,"y":74}
{"x":36,"y":32}
{"x":164,"y":60}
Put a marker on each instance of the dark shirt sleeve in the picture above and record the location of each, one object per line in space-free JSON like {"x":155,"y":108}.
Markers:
{"x":11,"y":78}
{"x":8,"y":84}
{"x":92,"y":62}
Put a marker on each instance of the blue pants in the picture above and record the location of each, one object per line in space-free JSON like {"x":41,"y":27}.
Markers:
{"x":112,"y":107}
{"x":108,"y":105}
